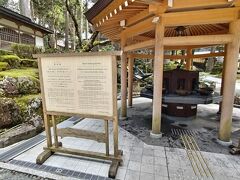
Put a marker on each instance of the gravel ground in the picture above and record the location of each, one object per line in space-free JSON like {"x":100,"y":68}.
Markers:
{"x":206,"y":125}
{"x":13,"y":175}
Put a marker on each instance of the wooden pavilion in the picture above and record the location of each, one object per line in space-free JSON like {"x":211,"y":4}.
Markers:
{"x":162,"y":25}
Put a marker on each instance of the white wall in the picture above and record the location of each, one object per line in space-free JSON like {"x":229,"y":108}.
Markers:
{"x":39,"y":42}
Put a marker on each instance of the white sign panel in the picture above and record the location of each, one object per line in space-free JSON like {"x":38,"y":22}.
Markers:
{"x":78,"y":84}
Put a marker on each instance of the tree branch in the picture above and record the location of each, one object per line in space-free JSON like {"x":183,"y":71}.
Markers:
{"x":75,"y":23}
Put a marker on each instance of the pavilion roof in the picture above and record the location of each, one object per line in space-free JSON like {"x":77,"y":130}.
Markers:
{"x":106,"y":15}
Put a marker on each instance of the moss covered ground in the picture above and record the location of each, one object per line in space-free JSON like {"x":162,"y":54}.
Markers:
{"x":4,"y":66}
{"x":23,"y":100}
{"x":15,"y":73}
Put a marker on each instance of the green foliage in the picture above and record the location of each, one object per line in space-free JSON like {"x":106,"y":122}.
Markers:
{"x":29,"y":63}
{"x":217,"y":69}
{"x":108,"y":47}
{"x":15,"y":73}
{"x":3,"y":2}
{"x":4,"y":66}
{"x":170,"y":66}
{"x":5,"y":52}
{"x":12,"y":60}
{"x":25,"y":51}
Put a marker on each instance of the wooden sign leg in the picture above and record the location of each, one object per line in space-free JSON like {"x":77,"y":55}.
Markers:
{"x":47,"y":130}
{"x":114,"y":166}
{"x":107,"y":137}
{"x":56,"y":143}
{"x":46,"y":153}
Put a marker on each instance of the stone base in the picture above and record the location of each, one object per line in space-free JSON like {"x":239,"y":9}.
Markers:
{"x":175,"y":118}
{"x":123,"y":118}
{"x":224,"y":143}
{"x":156,"y":136}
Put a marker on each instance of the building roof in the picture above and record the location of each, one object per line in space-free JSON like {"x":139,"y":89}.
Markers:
{"x":16,"y":17}
{"x":97,"y":8}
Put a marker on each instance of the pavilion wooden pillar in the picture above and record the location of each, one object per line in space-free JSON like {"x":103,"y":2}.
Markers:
{"x":229,"y":82}
{"x":189,"y":60}
{"x":222,"y":82}
{"x":123,"y":80}
{"x":130,"y":79}
{"x":158,"y":80}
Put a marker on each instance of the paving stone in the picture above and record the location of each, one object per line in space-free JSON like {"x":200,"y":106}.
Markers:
{"x":147,"y":159}
{"x":135,"y":166}
{"x":161,"y":170}
{"x":132,"y":175}
{"x":160,"y":161}
{"x":136,"y":157}
{"x":148,"y":152}
{"x":147,"y":168}
{"x":140,"y":160}
{"x":146,"y":176}
{"x":121,"y":173}
{"x":159,"y":177}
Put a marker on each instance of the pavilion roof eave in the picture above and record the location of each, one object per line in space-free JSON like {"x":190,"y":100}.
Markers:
{"x":96,"y":9}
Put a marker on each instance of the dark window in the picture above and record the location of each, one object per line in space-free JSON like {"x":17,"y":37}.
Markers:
{"x":166,"y":83}
{"x":181,"y":84}
{"x":194,"y":84}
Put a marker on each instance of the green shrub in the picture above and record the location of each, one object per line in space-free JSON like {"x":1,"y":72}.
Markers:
{"x":217,"y":69}
{"x":170,"y":66}
{"x":5,"y":52}
{"x":25,"y":51}
{"x":28,"y":63}
{"x":12,"y":60}
{"x":4,"y":66}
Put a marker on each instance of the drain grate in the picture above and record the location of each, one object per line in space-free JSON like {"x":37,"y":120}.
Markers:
{"x":179,"y":132}
{"x":59,"y":171}
{"x":14,"y":152}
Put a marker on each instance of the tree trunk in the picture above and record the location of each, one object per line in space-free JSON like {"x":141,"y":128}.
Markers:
{"x":66,"y":30}
{"x":86,"y":22}
{"x":25,"y":8}
{"x":76,"y":25}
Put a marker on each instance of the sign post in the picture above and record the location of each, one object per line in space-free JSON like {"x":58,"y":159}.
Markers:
{"x":85,"y":85}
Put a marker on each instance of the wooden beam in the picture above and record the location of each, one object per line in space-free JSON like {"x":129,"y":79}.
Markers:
{"x":84,"y":153}
{"x":211,"y":16}
{"x":79,"y":133}
{"x":198,"y":40}
{"x":139,"y":28}
{"x":194,"y":56}
{"x":142,"y":56}
{"x":204,"y":40}
{"x":191,"y":56}
{"x":141,"y":45}
{"x":138,"y":17}
{"x":188,"y":4}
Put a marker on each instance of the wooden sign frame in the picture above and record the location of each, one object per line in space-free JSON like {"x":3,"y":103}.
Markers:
{"x":57,"y":146}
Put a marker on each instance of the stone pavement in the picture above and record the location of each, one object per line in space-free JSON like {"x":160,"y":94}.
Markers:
{"x":140,"y":161}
